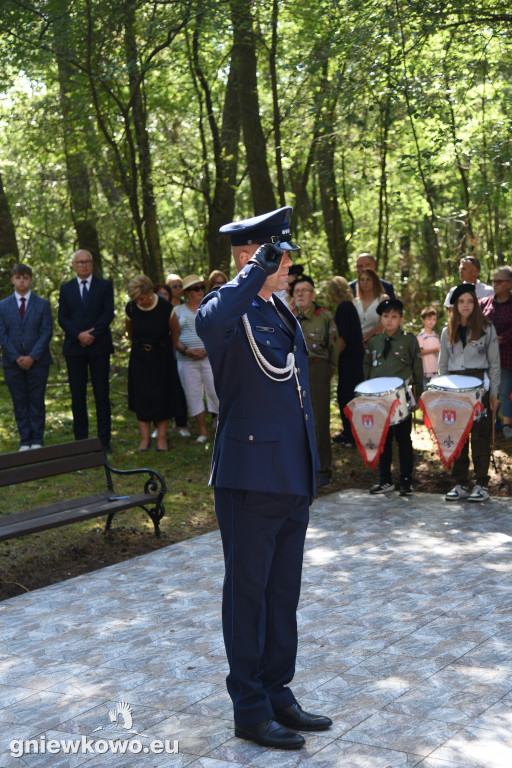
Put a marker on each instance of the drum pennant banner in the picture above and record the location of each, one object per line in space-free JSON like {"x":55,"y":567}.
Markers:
{"x":370,"y":417}
{"x":449,"y":417}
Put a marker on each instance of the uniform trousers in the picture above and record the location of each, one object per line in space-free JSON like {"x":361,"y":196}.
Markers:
{"x":320,"y":374}
{"x":402,"y":434}
{"x":27,"y":390}
{"x":263,"y":541}
{"x":481,"y":434}
{"x":99,"y":367}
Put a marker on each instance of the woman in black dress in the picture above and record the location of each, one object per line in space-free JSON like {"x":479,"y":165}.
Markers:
{"x":350,"y":361}
{"x":152,"y":372}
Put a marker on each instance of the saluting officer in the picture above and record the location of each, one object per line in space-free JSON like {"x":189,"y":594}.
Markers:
{"x":263,"y":469}
{"x":395,"y":352}
{"x":322,"y":338}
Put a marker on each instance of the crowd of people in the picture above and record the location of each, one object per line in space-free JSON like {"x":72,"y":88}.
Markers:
{"x":168,"y":372}
{"x":170,"y":377}
{"x":363,"y":339}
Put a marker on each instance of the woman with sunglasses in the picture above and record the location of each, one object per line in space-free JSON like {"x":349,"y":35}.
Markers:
{"x":193,"y":365}
{"x":175,"y":286}
{"x":216,"y":280}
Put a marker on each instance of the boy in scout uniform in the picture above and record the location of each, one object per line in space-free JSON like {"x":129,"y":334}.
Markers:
{"x":321,"y":336}
{"x":395,"y":352}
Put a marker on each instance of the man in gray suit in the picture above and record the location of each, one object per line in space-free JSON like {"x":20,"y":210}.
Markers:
{"x":26,"y":328}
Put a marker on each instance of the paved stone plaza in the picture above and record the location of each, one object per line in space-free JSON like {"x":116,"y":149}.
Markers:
{"x":405,"y":641}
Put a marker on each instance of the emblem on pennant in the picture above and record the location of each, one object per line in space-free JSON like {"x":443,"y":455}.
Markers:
{"x":449,"y":417}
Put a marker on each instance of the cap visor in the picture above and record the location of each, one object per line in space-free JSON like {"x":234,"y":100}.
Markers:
{"x":287,"y":245}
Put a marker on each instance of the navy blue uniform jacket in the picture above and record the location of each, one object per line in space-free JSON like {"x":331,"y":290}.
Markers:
{"x":264,"y":441}
{"x":75,"y":317}
{"x":30,"y":336}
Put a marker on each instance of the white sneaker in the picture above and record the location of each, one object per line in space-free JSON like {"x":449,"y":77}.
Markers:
{"x":202,"y":439}
{"x":479,"y":493}
{"x":459,"y":492}
{"x":36,"y":445}
{"x":24,"y":448}
{"x":183,"y":432}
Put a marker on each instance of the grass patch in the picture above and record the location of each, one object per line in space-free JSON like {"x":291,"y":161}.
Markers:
{"x":50,"y":556}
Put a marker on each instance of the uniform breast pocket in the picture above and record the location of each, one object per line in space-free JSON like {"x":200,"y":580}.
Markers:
{"x":265,"y":336}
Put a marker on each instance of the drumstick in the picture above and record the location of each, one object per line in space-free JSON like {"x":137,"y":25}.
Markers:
{"x":493,"y":439}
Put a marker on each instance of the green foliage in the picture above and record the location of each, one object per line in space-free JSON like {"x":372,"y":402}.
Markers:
{"x":412,"y":101}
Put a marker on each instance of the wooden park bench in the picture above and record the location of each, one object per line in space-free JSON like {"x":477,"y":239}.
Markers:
{"x":54,"y":460}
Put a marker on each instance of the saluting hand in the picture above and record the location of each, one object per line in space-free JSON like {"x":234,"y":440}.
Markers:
{"x":268,"y":257}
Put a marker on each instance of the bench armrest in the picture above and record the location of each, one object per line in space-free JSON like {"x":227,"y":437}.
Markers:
{"x":155,"y":484}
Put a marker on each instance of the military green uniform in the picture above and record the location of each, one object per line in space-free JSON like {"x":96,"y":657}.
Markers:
{"x":403,"y":360}
{"x":321,"y":336}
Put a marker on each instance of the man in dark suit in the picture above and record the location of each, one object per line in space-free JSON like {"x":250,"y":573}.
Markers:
{"x":263,"y":469}
{"x":366,"y":261}
{"x":86,"y":309}
{"x":26,"y":328}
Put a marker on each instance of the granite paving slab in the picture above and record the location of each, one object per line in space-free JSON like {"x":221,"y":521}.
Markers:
{"x":405,"y":641}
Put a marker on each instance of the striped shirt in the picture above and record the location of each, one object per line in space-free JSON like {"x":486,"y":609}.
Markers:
{"x":188,"y":335}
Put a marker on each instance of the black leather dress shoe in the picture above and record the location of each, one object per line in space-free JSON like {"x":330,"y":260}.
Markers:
{"x":295,"y":717}
{"x":269,"y":734}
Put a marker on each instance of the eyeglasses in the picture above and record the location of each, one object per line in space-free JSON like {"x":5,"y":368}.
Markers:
{"x":177,"y":285}
{"x":218,"y":284}
{"x":83,"y":263}
{"x":298,"y":291}
{"x":498,"y":282}
{"x":197,"y":288}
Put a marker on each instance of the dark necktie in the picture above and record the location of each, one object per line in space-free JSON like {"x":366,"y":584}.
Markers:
{"x":85,"y":291}
{"x":22,"y":307}
{"x":387,"y":346}
{"x":282,"y":317}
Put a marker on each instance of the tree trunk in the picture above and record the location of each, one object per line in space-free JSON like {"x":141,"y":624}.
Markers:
{"x":9,"y":253}
{"x":325,"y":160}
{"x":245,"y":63}
{"x":221,"y":206}
{"x":275,"y":103}
{"x":152,"y":263}
{"x":76,"y":161}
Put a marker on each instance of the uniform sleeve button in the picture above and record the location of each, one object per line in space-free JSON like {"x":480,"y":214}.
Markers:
{"x":304,"y":393}
{"x":307,"y":416}
{"x":295,"y":348}
{"x":268,"y":342}
{"x":251,"y":437}
{"x":298,"y":370}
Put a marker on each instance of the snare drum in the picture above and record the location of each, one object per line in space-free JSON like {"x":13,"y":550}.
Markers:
{"x":387,"y":385}
{"x":454,"y":383}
